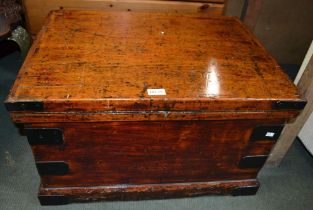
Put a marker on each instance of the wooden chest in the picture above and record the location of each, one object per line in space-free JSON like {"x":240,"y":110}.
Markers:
{"x":123,"y":105}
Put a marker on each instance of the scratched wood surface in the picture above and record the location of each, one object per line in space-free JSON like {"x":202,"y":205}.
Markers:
{"x":100,"y":61}
{"x":151,"y":191}
{"x":154,"y":152}
{"x":91,"y":70}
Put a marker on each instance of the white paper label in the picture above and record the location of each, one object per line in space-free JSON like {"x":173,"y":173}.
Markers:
{"x":269,"y":134}
{"x":156,"y":92}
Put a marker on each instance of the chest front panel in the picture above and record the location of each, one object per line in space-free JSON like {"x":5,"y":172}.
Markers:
{"x":151,"y":152}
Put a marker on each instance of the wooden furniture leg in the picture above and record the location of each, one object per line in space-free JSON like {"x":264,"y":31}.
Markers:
{"x":291,"y":131}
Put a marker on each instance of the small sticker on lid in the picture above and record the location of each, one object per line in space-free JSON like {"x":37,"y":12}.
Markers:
{"x":156,"y":92}
{"x":269,"y":134}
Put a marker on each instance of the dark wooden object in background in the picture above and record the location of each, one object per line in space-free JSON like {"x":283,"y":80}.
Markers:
{"x":85,"y":82}
{"x":37,"y":10}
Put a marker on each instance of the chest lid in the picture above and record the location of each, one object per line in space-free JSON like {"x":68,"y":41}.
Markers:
{"x":125,"y":61}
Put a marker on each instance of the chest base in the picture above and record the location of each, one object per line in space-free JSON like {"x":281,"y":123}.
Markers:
{"x":61,"y":196}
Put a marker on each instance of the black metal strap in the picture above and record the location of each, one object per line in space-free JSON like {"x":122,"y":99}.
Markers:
{"x":266,"y":132}
{"x":252,"y":161}
{"x":24,"y":106}
{"x":44,"y":136}
{"x":245,"y":190}
{"x":289,"y":104}
{"x":52,"y":167}
{"x":47,"y":200}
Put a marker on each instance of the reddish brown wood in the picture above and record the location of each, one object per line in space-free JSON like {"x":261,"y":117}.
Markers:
{"x":88,"y":74}
{"x":93,"y":60}
{"x":148,"y":116}
{"x":158,"y":191}
{"x":151,"y":152}
{"x":258,"y":147}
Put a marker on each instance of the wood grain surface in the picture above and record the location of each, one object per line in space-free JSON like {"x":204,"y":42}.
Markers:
{"x":37,"y":10}
{"x":93,"y":60}
{"x":152,"y":191}
{"x":152,"y":152}
{"x":87,"y":76}
{"x":22,"y":117}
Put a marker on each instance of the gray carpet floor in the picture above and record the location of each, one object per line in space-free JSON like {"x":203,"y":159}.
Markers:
{"x":289,"y":186}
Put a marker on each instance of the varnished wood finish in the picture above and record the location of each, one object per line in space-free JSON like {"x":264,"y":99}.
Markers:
{"x":151,"y":152}
{"x":104,"y":61}
{"x":157,"y":191}
{"x":87,"y":76}
{"x":148,"y":116}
